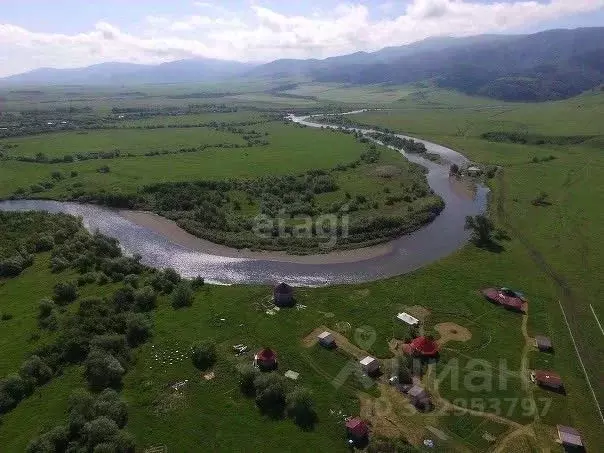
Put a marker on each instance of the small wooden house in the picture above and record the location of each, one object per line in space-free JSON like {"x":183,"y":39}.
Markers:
{"x":283,"y":295}
{"x":548,"y":379}
{"x":357,"y":429}
{"x":266,"y":359}
{"x":543,"y":343}
{"x":419,"y":397}
{"x":370,"y":365}
{"x":326,"y":339}
{"x":569,"y":437}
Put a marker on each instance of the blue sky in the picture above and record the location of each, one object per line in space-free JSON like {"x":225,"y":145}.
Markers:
{"x":69,"y":33}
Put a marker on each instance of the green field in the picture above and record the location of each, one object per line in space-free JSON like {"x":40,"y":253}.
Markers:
{"x":553,"y":256}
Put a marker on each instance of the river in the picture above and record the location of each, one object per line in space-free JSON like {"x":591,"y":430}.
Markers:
{"x":162,"y":244}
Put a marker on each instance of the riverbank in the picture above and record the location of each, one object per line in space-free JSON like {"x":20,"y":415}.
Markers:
{"x":170,"y":230}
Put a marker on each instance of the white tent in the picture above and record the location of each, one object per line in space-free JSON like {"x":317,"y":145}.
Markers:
{"x":408,"y":319}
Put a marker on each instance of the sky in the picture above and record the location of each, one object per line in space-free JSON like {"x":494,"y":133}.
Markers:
{"x":76,"y":33}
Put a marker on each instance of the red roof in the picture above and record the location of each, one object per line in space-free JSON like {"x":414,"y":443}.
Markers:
{"x":548,"y":378}
{"x":423,"y":346}
{"x":507,"y":300}
{"x":357,"y":427}
{"x":266,"y":355}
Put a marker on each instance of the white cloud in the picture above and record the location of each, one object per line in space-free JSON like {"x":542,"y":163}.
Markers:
{"x":264,"y":34}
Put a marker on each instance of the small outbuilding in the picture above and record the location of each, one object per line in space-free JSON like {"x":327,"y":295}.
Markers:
{"x":408,"y":319}
{"x":419,"y":397}
{"x":357,"y":429}
{"x":569,"y":437}
{"x":543,"y":343}
{"x":266,"y":359}
{"x":506,"y":297}
{"x":370,"y":365}
{"x":421,"y":347}
{"x":283,"y":295}
{"x":547,"y":379}
{"x":326,"y":339}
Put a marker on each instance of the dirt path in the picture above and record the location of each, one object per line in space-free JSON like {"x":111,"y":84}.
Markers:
{"x":341,"y":342}
{"x":503,"y":443}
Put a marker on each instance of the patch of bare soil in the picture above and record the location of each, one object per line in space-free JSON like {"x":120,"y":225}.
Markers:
{"x":341,"y":342}
{"x":418,"y":311}
{"x":392,"y":415}
{"x":449,"y":331}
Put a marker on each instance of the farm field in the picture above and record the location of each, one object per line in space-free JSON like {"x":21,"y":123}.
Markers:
{"x":553,"y":256}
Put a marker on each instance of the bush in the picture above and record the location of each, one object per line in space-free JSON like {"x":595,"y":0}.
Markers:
{"x":203,"y":355}
{"x":36,"y":370}
{"x":108,"y":404}
{"x":197,"y":282}
{"x":247,"y":376}
{"x":103,"y":370}
{"x":145,"y":299}
{"x":65,"y":292}
{"x":6,"y":316}
{"x":182,"y":295}
{"x":102,"y":278}
{"x":11,"y":267}
{"x":138,"y":329}
{"x":123,"y":298}
{"x":43,"y":243}
{"x":45,"y":308}
{"x":132,"y":280}
{"x":300,"y":407}
{"x":13,"y":389}
{"x":270,"y":394}
{"x":100,"y":430}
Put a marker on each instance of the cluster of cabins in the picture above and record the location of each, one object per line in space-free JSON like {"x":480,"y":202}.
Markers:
{"x":550,"y":380}
{"x":423,"y":347}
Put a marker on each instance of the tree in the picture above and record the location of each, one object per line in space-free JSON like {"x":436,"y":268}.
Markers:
{"x":65,"y":292}
{"x":103,"y":370}
{"x":300,"y":407}
{"x":100,"y":430}
{"x":270,"y":394}
{"x":482,"y":230}
{"x":108,"y":404}
{"x":182,"y":295}
{"x":138,"y":328}
{"x":45,"y":308}
{"x":36,"y":370}
{"x":145,"y":299}
{"x":247,"y":376}
{"x":203,"y":355}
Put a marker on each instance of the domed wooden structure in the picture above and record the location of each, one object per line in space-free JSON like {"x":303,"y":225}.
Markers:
{"x":266,"y":359}
{"x":421,"y":347}
{"x":283,"y":295}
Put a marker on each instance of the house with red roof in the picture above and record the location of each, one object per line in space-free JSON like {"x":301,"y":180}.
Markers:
{"x":421,"y":347}
{"x":548,"y":379}
{"x":507,"y":298}
{"x":266,"y":359}
{"x":357,"y":429}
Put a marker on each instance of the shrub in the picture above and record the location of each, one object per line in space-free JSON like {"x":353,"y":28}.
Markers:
{"x":103,"y":370}
{"x":65,"y":292}
{"x":182,"y":295}
{"x":11,"y":267}
{"x":197,"y":282}
{"x":145,"y":299}
{"x":100,"y":430}
{"x":138,"y":329}
{"x":102,"y":278}
{"x":6,"y":316}
{"x":45,"y":308}
{"x":270,"y":394}
{"x":36,"y":370}
{"x":43,"y":243}
{"x":132,"y":280}
{"x":300,"y":407}
{"x":123,"y":298}
{"x":108,"y":404}
{"x":103,"y":169}
{"x":203,"y":355}
{"x":247,"y":376}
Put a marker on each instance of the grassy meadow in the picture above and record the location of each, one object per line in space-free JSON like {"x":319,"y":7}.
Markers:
{"x":553,"y":255}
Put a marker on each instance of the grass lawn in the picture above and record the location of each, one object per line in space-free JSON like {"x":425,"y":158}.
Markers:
{"x":132,"y":141}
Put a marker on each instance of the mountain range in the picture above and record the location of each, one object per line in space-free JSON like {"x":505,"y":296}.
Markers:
{"x":553,"y":64}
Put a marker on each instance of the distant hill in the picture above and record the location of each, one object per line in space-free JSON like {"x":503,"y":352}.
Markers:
{"x":554,"y":64}
{"x":181,"y":71}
